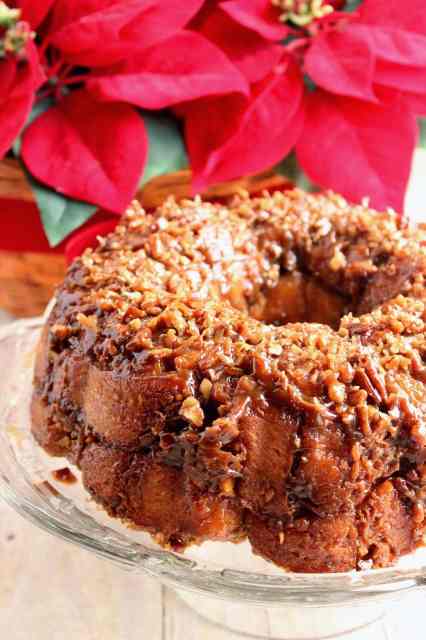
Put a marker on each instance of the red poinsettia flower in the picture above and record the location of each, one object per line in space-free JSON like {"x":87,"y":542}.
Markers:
{"x":341,"y":82}
{"x":91,"y":143}
{"x":344,"y":92}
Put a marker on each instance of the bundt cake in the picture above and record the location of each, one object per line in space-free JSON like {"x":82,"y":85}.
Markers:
{"x":255,"y":370}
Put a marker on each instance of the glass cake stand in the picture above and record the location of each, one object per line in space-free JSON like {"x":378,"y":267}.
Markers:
{"x":224,"y":583}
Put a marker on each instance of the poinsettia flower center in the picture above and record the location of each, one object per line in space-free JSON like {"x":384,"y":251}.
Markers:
{"x":302,"y":12}
{"x":299,"y":41}
{"x":8,"y":17}
{"x":14,"y":33}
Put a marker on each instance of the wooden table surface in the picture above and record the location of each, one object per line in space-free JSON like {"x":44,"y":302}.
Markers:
{"x":50,"y":590}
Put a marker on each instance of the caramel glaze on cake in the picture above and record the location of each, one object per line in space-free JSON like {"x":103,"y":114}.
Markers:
{"x":251,"y":370}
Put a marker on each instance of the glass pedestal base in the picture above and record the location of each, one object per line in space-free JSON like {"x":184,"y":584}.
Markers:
{"x":289,"y":622}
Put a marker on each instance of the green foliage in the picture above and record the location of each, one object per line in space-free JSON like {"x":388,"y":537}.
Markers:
{"x":422,"y":141}
{"x":290,"y":168}
{"x":352,"y":5}
{"x":166,"y":146}
{"x":60,"y":215}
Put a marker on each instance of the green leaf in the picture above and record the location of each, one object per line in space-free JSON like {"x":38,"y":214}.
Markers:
{"x":166,"y":146}
{"x":422,"y":140}
{"x":60,"y":215}
{"x":37,"y":110}
{"x":290,"y":168}
{"x":352,"y":5}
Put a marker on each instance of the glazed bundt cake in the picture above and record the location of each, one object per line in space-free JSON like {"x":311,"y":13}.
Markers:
{"x":255,"y":370}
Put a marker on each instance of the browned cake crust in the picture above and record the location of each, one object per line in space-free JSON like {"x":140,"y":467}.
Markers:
{"x":255,"y":370}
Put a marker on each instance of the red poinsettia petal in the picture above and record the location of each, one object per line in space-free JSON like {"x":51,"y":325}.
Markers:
{"x":33,"y":71}
{"x":259,"y":15}
{"x":109,"y":34}
{"x":395,"y":45}
{"x":253,"y":134}
{"x":401,"y":78}
{"x":15,"y":104}
{"x":394,"y":13}
{"x":88,"y":150}
{"x":358,"y":149}
{"x":34,"y":12}
{"x":416,"y":103}
{"x":66,"y":12}
{"x":401,"y":59}
{"x":342,"y":62}
{"x":19,"y":81}
{"x":253,"y":55}
{"x":194,"y":67}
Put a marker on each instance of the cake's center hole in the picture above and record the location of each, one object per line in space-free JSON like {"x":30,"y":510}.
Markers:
{"x":299,"y":298}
